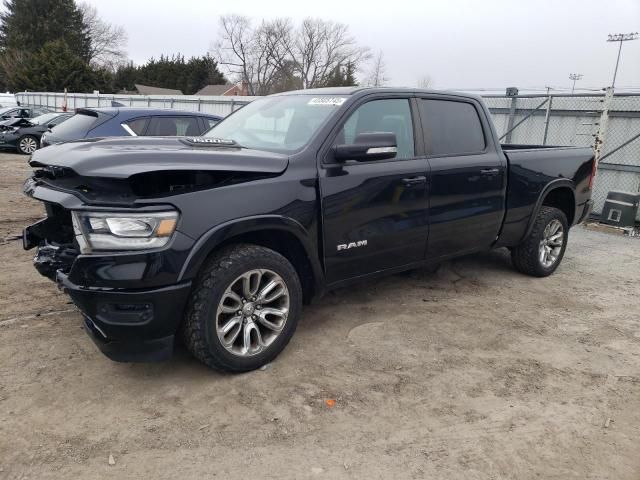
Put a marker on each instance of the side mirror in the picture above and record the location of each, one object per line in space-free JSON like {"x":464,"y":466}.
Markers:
{"x":50,"y":126}
{"x":368,"y":147}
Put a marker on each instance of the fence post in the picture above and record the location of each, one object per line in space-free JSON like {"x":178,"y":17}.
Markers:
{"x":148,"y":101}
{"x":547,"y":117}
{"x":601,"y":135}
{"x":512,"y":117}
{"x":233,"y":105}
{"x":199,"y":102}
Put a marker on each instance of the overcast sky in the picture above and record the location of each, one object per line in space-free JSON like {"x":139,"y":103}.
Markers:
{"x":458,"y":43}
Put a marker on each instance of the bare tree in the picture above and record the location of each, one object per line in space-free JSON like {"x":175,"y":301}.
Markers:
{"x":236,"y":48}
{"x":377,"y":76}
{"x":108,"y":41}
{"x":271,"y":53}
{"x":321,"y":46}
{"x":275,"y":54}
{"x":425,"y":82}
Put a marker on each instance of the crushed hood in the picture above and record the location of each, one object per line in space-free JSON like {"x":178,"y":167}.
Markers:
{"x":124,"y":157}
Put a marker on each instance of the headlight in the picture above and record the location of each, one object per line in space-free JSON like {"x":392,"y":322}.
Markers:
{"x":123,"y":231}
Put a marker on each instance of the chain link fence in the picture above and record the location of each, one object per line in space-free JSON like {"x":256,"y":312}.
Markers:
{"x":215,"y":105}
{"x":604,"y":120}
{"x":609,"y":121}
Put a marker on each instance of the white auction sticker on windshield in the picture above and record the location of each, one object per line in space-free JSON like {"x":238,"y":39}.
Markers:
{"x":332,"y":101}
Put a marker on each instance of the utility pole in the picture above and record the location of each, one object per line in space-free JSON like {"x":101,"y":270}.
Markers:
{"x":575,"y":77}
{"x":620,"y":37}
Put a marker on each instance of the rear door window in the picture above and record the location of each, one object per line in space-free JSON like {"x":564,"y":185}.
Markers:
{"x":173,"y":126}
{"x":138,"y":125}
{"x":451,"y":127}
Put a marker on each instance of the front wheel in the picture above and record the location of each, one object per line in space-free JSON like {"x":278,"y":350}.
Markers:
{"x":542,"y":251}
{"x":27,"y":144}
{"x":244,"y":308}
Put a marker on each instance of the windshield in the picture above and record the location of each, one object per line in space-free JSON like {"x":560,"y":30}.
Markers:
{"x":284,"y":123}
{"x":6,"y":109}
{"x":43,"y":119}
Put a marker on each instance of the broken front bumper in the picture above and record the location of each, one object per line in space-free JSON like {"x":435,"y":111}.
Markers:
{"x":130,"y":325}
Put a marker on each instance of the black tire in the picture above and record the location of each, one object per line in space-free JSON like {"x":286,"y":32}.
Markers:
{"x":526,"y":256}
{"x":220,"y":271}
{"x":21,"y":147}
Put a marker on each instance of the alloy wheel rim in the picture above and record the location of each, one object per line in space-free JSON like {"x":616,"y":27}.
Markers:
{"x":28,"y":145}
{"x":252,"y":312}
{"x":551,"y":243}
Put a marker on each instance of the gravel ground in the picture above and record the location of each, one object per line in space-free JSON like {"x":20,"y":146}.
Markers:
{"x":471,"y":372}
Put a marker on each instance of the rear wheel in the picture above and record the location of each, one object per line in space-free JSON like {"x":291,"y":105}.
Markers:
{"x":27,"y":144}
{"x":244,"y":308}
{"x":542,"y":251}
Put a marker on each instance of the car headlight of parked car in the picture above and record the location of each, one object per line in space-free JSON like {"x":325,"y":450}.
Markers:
{"x":123,"y":231}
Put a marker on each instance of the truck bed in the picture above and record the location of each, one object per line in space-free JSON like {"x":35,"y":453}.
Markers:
{"x":532,"y":168}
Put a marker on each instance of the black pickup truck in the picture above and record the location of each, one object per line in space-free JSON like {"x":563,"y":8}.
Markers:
{"x":220,"y":239}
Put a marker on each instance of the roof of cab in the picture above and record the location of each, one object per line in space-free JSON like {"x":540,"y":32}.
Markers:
{"x":367,"y":90}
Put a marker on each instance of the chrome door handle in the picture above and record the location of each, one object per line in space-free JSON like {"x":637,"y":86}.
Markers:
{"x":409,"y":181}
{"x":490,"y":171}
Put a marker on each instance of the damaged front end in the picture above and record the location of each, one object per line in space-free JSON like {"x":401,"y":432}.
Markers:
{"x":51,"y":255}
{"x":119,"y":266}
{"x":115,"y":239}
{"x":54,"y":238}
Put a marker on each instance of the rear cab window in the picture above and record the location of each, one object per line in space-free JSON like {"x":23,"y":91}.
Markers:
{"x":451,"y":127}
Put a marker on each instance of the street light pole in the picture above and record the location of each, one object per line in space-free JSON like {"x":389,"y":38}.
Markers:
{"x":620,"y":37}
{"x":575,"y":77}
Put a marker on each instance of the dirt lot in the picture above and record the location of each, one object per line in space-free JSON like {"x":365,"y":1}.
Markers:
{"x":472,"y":372}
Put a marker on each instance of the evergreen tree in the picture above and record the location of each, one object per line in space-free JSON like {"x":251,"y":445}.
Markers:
{"x":201,"y":71}
{"x":26,"y":25}
{"x":171,"y":72}
{"x":54,"y":67}
{"x":350,"y":75}
{"x":125,"y":77}
{"x":342,"y":76}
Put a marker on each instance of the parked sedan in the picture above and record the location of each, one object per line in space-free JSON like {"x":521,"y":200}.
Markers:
{"x":9,"y":113}
{"x":122,"y":122}
{"x":24,"y":134}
